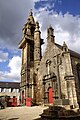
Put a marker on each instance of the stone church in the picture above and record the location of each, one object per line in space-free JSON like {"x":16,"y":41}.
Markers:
{"x":53,"y":78}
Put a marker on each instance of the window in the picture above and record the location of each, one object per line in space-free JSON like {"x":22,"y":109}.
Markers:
{"x":14,"y":90}
{"x":32,"y":31}
{"x":9,"y":90}
{"x":48,"y":63}
{"x":31,"y":52}
{"x":65,"y":49}
{"x":3,"y":89}
{"x":17,"y":90}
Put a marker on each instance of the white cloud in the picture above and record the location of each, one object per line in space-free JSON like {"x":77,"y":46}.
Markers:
{"x":15,"y":69}
{"x":3,"y":56}
{"x":66,"y":27}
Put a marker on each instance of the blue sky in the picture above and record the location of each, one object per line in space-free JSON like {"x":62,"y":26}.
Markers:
{"x":71,"y":6}
{"x":63,"y":15}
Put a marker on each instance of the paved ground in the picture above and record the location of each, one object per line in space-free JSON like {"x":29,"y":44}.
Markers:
{"x":21,"y":113}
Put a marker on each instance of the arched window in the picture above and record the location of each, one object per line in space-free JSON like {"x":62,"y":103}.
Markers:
{"x":48,"y":63}
{"x":32,"y":31}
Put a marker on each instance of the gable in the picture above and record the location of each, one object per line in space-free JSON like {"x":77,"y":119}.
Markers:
{"x":72,"y":53}
{"x":51,"y":51}
{"x":50,"y":54}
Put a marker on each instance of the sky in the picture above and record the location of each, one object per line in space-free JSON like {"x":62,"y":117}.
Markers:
{"x":62,"y":15}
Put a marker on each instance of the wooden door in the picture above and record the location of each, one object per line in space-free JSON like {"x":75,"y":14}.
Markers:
{"x":50,"y":95}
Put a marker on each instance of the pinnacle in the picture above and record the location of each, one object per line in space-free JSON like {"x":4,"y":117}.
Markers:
{"x":37,"y":24}
{"x":31,"y":18}
{"x":31,"y":13}
{"x":64,"y":44}
{"x":50,"y":27}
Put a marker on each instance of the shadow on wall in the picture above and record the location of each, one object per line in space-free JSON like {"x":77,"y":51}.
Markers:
{"x":13,"y":119}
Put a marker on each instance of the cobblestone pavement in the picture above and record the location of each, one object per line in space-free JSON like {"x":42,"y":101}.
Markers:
{"x":21,"y":113}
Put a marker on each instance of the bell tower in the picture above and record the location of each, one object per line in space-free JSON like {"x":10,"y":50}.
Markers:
{"x":31,"y":55}
{"x":27,"y":46}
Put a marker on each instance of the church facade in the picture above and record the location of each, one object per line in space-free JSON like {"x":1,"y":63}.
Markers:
{"x":53,"y":78}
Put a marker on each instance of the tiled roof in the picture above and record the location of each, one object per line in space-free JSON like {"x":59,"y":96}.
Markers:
{"x":15,"y":85}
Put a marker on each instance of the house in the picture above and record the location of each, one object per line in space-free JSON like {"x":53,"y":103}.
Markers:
{"x":10,"y":89}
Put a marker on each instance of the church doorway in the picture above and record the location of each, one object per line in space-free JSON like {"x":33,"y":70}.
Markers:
{"x":50,"y":95}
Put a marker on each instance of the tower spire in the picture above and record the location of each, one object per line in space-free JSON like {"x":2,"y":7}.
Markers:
{"x":31,"y":18}
{"x":31,"y":13}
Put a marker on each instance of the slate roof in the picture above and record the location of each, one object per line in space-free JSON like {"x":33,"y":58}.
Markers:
{"x":15,"y":85}
{"x":72,"y":53}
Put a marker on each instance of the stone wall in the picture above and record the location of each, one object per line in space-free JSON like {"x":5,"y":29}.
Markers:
{"x":53,"y":54}
{"x":75,"y":61}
